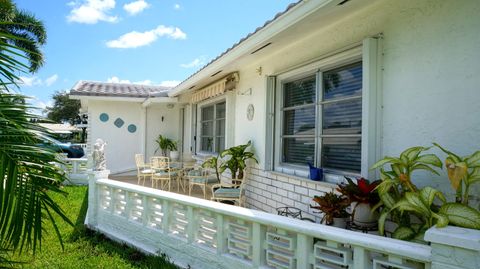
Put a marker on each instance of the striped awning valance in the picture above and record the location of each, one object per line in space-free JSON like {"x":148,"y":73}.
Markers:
{"x":217,"y":88}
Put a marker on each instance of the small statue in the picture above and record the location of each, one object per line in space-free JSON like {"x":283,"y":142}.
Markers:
{"x":99,"y":161}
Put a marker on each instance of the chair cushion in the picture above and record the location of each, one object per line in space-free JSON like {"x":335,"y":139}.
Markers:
{"x":164,"y":174}
{"x":195,"y":173}
{"x":227,"y":193}
{"x":146,"y":171}
{"x":203,"y":180}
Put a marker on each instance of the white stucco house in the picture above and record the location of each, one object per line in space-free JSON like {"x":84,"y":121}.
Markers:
{"x":335,"y":83}
{"x":339,"y":84}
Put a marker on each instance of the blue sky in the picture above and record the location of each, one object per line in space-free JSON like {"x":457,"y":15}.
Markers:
{"x":158,"y":42}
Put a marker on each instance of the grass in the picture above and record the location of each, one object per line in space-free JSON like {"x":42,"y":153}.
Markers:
{"x":84,"y":248}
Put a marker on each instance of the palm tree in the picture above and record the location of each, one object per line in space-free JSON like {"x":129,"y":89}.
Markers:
{"x":28,"y":173}
{"x":30,"y":32}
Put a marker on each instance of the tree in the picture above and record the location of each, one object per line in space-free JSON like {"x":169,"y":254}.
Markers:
{"x":64,"y":109}
{"x":29,"y":32}
{"x":27,"y":171}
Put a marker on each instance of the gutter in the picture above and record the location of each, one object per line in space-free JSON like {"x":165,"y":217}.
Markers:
{"x":158,"y":100}
{"x":244,"y":47}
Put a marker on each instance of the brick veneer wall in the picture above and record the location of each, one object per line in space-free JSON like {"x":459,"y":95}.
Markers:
{"x":266,"y":190}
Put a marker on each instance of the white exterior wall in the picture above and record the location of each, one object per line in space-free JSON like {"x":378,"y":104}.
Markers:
{"x":169,"y":127}
{"x":430,"y":86}
{"x":121,"y":144}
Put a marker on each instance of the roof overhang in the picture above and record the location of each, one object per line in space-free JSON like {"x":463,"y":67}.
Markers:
{"x":302,"y":19}
{"x":109,"y":98}
{"x":159,"y":100}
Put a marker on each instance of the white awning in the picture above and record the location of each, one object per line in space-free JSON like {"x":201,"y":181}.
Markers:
{"x":219,"y":87}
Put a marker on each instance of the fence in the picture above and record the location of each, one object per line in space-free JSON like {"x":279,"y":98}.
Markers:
{"x":206,"y":234}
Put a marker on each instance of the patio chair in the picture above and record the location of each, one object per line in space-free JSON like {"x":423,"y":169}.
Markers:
{"x":144,"y":170}
{"x":202,"y":178}
{"x":234,"y":192}
{"x":162,"y":172}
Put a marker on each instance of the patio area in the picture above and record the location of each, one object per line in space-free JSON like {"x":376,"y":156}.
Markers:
{"x":196,"y":191}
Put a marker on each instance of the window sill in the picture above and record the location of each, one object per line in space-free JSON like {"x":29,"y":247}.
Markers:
{"x":329,"y":177}
{"x":327,"y":184}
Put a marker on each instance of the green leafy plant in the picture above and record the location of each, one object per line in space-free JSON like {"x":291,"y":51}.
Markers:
{"x":236,"y":160}
{"x":165,"y":144}
{"x":213,"y":162}
{"x":28,"y":174}
{"x":463,"y":172}
{"x":362,"y":192}
{"x":399,"y":195}
{"x":332,"y":205}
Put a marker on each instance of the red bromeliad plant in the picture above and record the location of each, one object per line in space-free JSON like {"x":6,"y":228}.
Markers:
{"x":361,"y":192}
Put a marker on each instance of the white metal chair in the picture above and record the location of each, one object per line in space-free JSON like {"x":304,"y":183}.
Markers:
{"x":202,"y":178}
{"x":234,"y":191}
{"x":162,"y":172}
{"x":144,"y":170}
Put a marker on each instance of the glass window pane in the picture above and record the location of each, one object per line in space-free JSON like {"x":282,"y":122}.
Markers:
{"x":220,"y":110}
{"x":220,"y":126}
{"x":299,"y":121}
{"x":298,"y":150}
{"x":207,"y":113}
{"x":342,"y":153}
{"x":220,"y":144}
{"x":343,"y":117}
{"x":299,"y":92}
{"x":207,"y":144}
{"x":343,"y":82}
{"x":207,"y":128}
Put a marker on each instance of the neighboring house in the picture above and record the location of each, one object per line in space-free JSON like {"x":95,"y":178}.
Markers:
{"x":128,"y":117}
{"x":336,"y":83}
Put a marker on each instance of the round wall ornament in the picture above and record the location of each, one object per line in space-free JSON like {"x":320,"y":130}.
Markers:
{"x":250,"y":112}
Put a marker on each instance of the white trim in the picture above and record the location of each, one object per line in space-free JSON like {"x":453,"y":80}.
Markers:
{"x":159,"y":100}
{"x":371,"y":106}
{"x":342,"y":58}
{"x":108,"y":98}
{"x":209,"y":102}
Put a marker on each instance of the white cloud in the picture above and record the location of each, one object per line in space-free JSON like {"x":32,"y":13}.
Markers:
{"x":115,"y":79}
{"x":30,"y":81}
{"x":195,"y":63}
{"x":169,"y":83}
{"x":38,"y":105}
{"x":137,"y":39}
{"x":136,"y":7}
{"x":144,"y":82}
{"x":50,"y":80}
{"x":92,"y":11}
{"x":36,"y":81}
{"x":176,"y":6}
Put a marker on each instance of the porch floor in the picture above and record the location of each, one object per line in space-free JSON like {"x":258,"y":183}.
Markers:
{"x":196,"y":190}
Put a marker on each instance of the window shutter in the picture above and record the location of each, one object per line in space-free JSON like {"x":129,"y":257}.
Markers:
{"x":270,"y":123}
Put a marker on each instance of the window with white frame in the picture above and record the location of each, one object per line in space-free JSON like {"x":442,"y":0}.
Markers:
{"x":212,"y":130}
{"x":321,"y":119}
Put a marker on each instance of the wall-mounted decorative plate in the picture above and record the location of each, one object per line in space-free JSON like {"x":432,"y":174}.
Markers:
{"x":104,"y":117}
{"x":250,"y":112}
{"x":118,"y":122}
{"x":132,"y":128}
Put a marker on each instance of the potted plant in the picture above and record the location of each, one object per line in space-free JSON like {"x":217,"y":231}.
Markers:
{"x":165,"y":145}
{"x":213,"y":162}
{"x":413,"y":210}
{"x":236,"y":160}
{"x":333,"y":207}
{"x":362,"y":197}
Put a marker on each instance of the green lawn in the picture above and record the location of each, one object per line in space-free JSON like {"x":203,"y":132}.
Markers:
{"x":84,"y":248}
